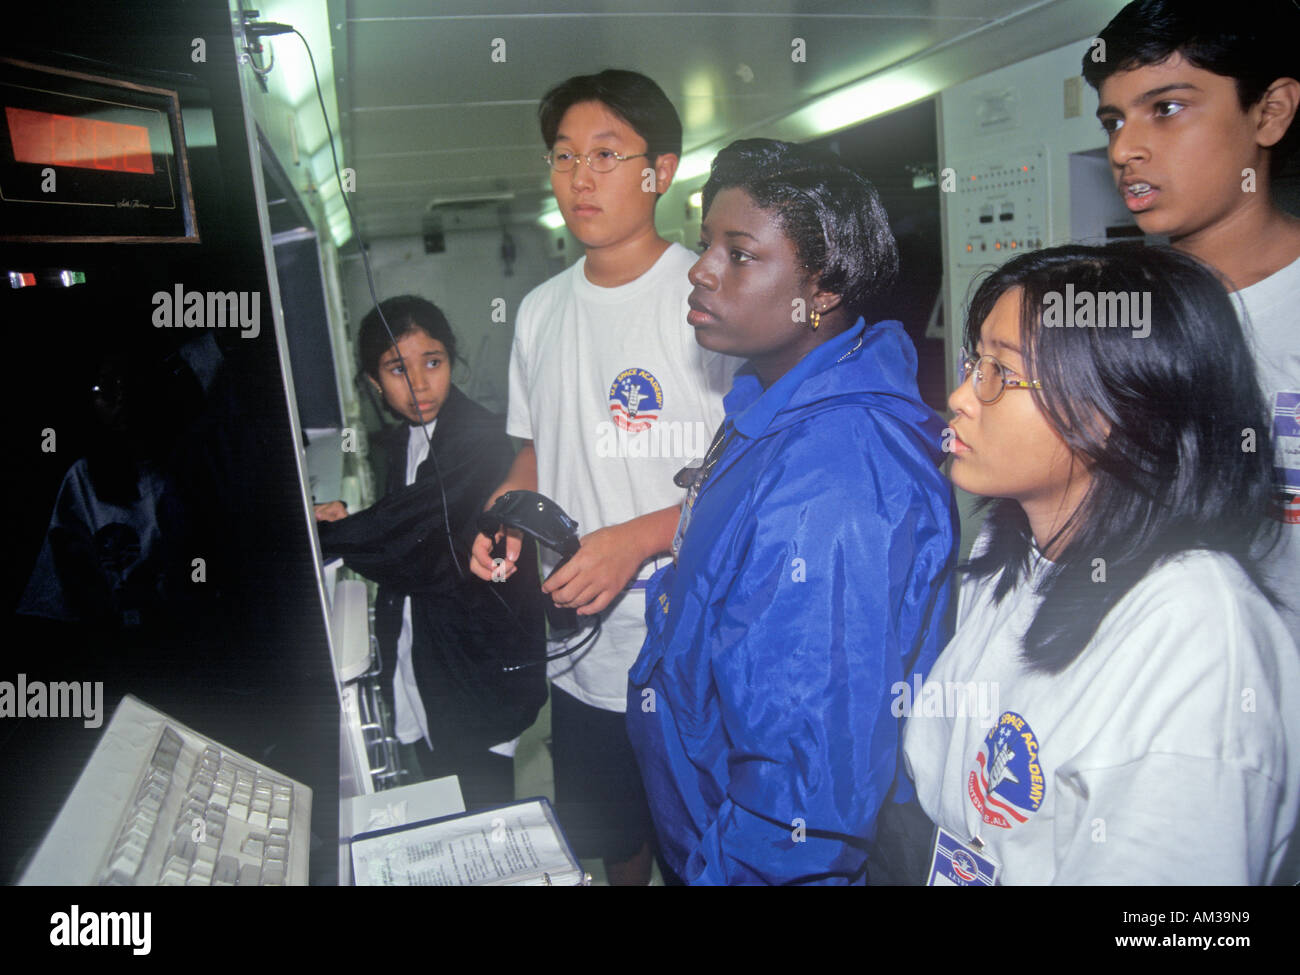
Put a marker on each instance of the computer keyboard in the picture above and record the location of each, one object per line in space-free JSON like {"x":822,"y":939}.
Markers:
{"x":188,"y":811}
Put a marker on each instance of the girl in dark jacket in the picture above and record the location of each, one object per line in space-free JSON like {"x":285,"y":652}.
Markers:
{"x":452,"y":645}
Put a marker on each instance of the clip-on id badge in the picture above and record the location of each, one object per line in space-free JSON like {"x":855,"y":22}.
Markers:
{"x":955,"y":864}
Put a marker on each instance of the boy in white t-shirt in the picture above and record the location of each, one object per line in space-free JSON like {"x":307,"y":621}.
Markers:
{"x":612,"y":396}
{"x":1198,"y":101}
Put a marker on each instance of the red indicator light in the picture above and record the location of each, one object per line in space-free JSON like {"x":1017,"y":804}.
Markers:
{"x":47,"y":139}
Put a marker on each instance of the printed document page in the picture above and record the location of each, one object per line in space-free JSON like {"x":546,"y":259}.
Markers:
{"x":518,"y":844}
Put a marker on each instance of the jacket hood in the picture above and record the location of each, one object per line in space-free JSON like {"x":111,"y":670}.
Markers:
{"x":881,"y":374}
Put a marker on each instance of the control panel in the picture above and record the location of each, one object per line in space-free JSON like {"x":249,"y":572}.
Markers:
{"x":998,"y":206}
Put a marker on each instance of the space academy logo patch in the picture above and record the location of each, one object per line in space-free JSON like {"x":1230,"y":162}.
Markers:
{"x":1008,"y":786}
{"x":635,"y":400}
{"x":963,"y":864}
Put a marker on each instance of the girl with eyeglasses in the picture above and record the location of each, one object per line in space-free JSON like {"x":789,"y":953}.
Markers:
{"x":1146,"y":728}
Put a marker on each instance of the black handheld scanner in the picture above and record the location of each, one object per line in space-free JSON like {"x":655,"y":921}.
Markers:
{"x":538,"y":517}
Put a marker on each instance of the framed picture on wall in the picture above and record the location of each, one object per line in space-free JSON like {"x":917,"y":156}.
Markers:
{"x":91,"y":158}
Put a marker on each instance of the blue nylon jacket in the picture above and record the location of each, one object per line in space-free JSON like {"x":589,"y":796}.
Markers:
{"x":815,"y":570}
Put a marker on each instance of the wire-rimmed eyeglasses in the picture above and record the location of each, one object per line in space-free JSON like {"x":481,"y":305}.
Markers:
{"x":598,"y":160}
{"x":991,"y":378}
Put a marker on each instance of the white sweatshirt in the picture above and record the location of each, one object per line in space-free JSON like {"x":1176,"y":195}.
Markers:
{"x":1168,"y":752}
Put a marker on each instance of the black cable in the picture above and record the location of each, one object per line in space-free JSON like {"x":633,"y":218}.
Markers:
{"x":259,"y":30}
{"x":370,"y":283}
{"x":567,"y":651}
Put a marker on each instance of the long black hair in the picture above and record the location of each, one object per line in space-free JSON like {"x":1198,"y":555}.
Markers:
{"x":1164,"y":410}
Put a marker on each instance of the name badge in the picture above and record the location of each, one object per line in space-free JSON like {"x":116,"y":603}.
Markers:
{"x":956,"y":864}
{"x":693,"y":478}
{"x":684,"y":519}
{"x":1286,"y":440}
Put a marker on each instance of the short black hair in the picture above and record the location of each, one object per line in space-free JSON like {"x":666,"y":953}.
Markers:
{"x":1157,"y":418}
{"x":631,"y":96}
{"x":1254,"y":42}
{"x":831,"y":213}
{"x":405,"y":314}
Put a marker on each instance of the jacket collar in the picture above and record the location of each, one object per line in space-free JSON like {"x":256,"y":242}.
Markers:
{"x":396,"y":437}
{"x":755,"y":407}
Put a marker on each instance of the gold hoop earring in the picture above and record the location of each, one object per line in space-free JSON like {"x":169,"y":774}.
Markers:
{"x":816,"y":319}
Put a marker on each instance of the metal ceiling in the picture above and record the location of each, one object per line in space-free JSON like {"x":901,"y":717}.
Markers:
{"x":437,"y":101}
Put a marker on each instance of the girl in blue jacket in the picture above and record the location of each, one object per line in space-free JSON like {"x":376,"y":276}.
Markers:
{"x":812,"y":560}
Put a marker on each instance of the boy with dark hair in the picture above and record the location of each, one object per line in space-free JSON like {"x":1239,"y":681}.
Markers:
{"x":1198,"y":101}
{"x":612,"y":396}
{"x":630,"y":96}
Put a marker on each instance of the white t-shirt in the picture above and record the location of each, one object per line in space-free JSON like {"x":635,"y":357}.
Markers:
{"x":617,"y":397}
{"x":1167,"y":752}
{"x":1274,"y":328}
{"x":410,"y":722}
